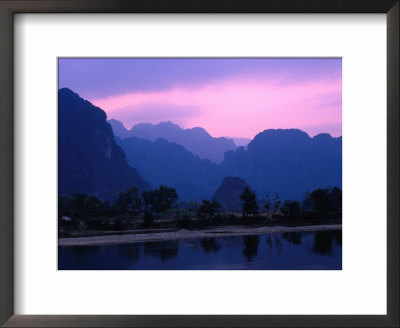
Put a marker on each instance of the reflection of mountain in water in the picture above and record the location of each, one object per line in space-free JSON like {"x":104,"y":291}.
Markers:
{"x":210,"y":244}
{"x":250,"y":246}
{"x":162,"y":249}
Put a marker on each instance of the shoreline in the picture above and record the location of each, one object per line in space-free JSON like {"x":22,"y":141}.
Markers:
{"x":226,"y":231}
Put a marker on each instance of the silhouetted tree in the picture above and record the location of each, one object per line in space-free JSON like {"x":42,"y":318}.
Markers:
{"x":65,"y":206}
{"x":85,"y":207}
{"x":277,"y":203}
{"x":268,"y":204}
{"x":79,"y":204}
{"x":291,"y":208}
{"x":249,"y":201}
{"x":93,"y":207}
{"x":336,"y":201}
{"x":323,"y":203}
{"x":209,"y":208}
{"x":321,"y":200}
{"x":82,"y":207}
{"x":129,"y":201}
{"x":147,"y":219}
{"x":160,"y":199}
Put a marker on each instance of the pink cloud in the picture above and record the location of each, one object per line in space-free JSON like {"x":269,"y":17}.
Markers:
{"x":239,"y":107}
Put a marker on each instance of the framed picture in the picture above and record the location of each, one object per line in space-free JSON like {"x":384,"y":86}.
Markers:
{"x":207,"y":191}
{"x":186,"y":169}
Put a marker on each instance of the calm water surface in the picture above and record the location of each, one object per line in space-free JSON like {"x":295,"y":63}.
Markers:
{"x":320,"y":250}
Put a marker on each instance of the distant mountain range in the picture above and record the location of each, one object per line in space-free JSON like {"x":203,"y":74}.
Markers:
{"x":89,"y":160}
{"x":287,"y":162}
{"x":240,"y":141}
{"x":196,"y":140}
{"x":163,"y":162}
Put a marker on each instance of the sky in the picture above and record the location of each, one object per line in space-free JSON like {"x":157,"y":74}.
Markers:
{"x":226,"y":96}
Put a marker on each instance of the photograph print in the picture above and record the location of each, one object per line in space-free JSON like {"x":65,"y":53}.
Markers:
{"x":199,"y":164}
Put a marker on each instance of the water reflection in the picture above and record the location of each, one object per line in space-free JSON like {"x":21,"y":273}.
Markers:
{"x":323,"y":241}
{"x":210,"y":244}
{"x":130,"y":251}
{"x":162,"y":249}
{"x":250,"y":247}
{"x":278,"y":243}
{"x":269,"y":243}
{"x":284,"y":251}
{"x":337,"y":235}
{"x":82,"y":252}
{"x":292,"y":237}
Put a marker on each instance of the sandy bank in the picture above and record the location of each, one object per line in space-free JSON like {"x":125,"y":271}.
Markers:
{"x":186,"y":234}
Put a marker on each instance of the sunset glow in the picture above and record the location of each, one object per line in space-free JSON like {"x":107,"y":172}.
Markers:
{"x":241,"y":102}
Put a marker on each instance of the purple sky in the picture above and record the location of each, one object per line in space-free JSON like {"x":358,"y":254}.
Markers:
{"x":227,"y":97}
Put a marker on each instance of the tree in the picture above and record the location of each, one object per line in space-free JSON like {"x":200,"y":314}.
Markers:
{"x":336,"y":201}
{"x":291,"y":208}
{"x":79,"y":206}
{"x":147,"y":219}
{"x":268,"y":204}
{"x":129,"y":201}
{"x":82,"y":207}
{"x":208,"y":209}
{"x":324,"y":204}
{"x":85,"y":207}
{"x":277,"y":204}
{"x":321,"y":201}
{"x":93,"y":207}
{"x":249,"y":202}
{"x":160,"y":199}
{"x":65,"y":206}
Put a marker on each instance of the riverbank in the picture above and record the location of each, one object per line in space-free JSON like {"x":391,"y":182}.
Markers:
{"x":186,"y":234}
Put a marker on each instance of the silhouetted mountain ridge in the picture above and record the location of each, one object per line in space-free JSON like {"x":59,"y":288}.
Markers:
{"x":163,"y":162}
{"x":89,"y":160}
{"x":284,"y":161}
{"x":196,"y":140}
{"x":287,"y":162}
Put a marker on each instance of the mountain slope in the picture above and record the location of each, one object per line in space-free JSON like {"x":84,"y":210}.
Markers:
{"x":163,"y":162}
{"x":287,"y":162}
{"x":195,"y":140}
{"x":89,"y":160}
{"x":229,"y":192}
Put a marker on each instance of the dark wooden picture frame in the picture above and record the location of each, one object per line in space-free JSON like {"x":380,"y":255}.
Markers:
{"x":10,"y":7}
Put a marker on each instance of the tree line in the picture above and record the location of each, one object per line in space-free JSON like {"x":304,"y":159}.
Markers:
{"x":161,"y":203}
{"x":321,"y":203}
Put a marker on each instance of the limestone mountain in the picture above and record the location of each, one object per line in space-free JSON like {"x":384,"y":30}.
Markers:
{"x":89,"y":160}
{"x":163,"y":162}
{"x":287,"y":162}
{"x":196,"y":140}
{"x":229,"y":192}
